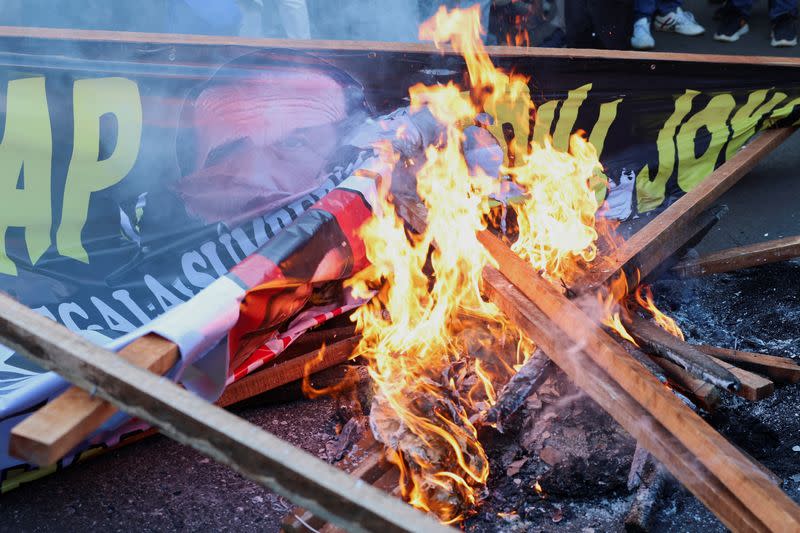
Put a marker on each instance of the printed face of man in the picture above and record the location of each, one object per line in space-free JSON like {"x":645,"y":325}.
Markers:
{"x":262,"y":142}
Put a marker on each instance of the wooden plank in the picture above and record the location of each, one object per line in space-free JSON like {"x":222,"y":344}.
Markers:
{"x":573,"y":359}
{"x":659,"y":342}
{"x":752,"y":386}
{"x":659,"y":239}
{"x":762,"y":253}
{"x":687,"y":237}
{"x":753,"y":490}
{"x":222,"y":436}
{"x":274,"y":376}
{"x":780,"y":369}
{"x":632,"y":398}
{"x":62,"y":424}
{"x":701,"y":392}
{"x":369,"y":470}
{"x":383,"y":46}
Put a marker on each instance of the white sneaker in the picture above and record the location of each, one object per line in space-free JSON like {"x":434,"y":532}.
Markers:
{"x":642,"y":39}
{"x":679,"y":21}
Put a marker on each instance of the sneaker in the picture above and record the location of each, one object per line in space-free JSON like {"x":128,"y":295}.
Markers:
{"x":732,"y":25}
{"x":679,"y":21}
{"x":784,"y":31}
{"x":642,"y":39}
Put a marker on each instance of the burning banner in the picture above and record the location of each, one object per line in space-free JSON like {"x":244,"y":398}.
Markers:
{"x":139,"y":176}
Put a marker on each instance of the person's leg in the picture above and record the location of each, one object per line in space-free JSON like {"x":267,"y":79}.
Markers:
{"x":643,"y":12}
{"x":294,"y":15}
{"x":486,"y":7}
{"x":783,"y":14}
{"x":612,"y":21}
{"x":780,"y":8}
{"x":579,"y":25}
{"x":733,"y":20}
{"x":667,"y":6}
{"x":742,"y":6}
{"x":644,"y":9}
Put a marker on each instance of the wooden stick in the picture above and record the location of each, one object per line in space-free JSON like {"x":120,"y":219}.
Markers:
{"x":704,"y":393}
{"x":659,"y":342}
{"x":521,"y":385}
{"x":642,"y":357}
{"x":687,"y":236}
{"x":317,"y":337}
{"x":708,"y":465}
{"x":762,"y":253}
{"x":51,"y":432}
{"x":274,"y":376}
{"x":740,"y":494}
{"x":640,"y":513}
{"x":780,"y":369}
{"x":752,"y":386}
{"x":369,"y":470}
{"x":573,"y":359}
{"x":183,"y":416}
{"x":383,"y":46}
{"x":660,"y":238}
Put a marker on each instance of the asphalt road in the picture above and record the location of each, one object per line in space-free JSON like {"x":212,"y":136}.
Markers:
{"x":756,"y":42}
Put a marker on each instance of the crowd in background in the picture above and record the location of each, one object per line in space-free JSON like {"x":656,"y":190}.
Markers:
{"x":612,"y":24}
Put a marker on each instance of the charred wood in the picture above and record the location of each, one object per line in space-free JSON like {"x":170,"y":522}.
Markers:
{"x":519,"y":388}
{"x":659,"y":342}
{"x":705,"y":394}
{"x":780,"y":369}
{"x":654,"y":479}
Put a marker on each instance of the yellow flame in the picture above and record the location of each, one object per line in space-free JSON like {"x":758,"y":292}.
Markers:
{"x":557,"y":217}
{"x":610,"y":298}
{"x":644,"y":297}
{"x":423,"y":330}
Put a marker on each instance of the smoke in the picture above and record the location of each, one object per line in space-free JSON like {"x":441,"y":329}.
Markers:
{"x":396,"y":20}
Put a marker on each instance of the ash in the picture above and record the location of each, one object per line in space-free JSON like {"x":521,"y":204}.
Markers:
{"x":579,"y":458}
{"x":755,"y":310}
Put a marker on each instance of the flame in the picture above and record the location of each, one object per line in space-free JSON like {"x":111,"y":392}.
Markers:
{"x":556,"y":220}
{"x":333,"y":390}
{"x":427,"y":332}
{"x":518,"y":34}
{"x":644,"y":297}
{"x":437,"y":351}
{"x":610,"y":299}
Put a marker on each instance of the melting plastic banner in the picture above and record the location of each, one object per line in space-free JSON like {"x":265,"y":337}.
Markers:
{"x":138,"y":175}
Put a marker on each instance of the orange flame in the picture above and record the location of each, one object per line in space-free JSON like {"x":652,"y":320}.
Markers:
{"x":518,"y":35}
{"x":644,"y":297}
{"x":556,"y":220}
{"x":435,"y":347}
{"x":616,"y":292}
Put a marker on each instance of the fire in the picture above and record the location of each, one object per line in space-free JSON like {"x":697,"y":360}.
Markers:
{"x":518,"y":35}
{"x":556,"y":220}
{"x":438,"y":351}
{"x":433,"y":343}
{"x":644,"y":297}
{"x":610,"y":300}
